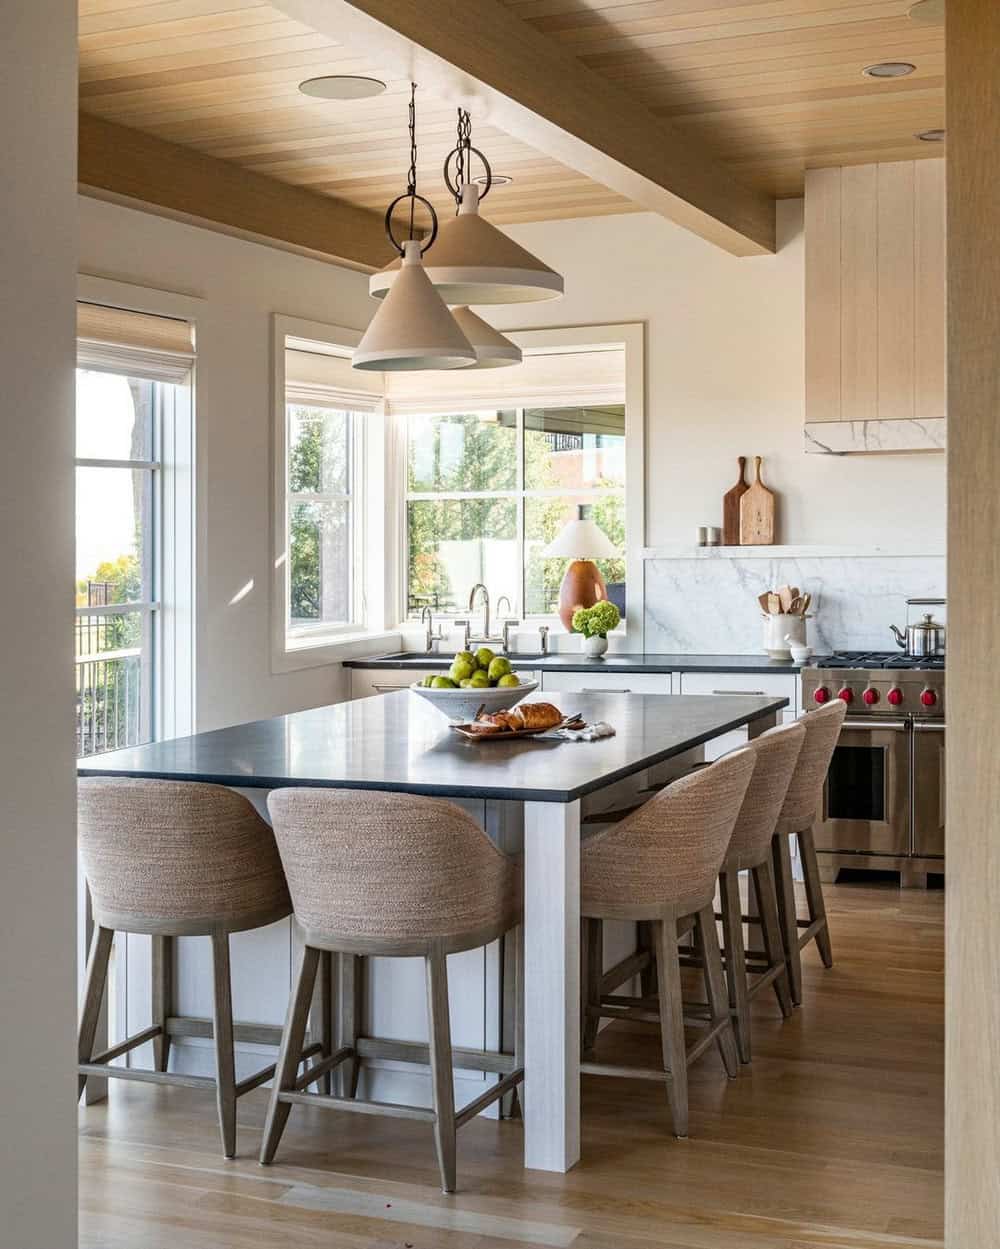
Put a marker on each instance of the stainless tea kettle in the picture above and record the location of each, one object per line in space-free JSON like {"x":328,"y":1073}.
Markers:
{"x":925,"y":637}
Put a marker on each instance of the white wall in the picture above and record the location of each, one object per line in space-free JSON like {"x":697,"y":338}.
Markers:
{"x":37,"y":789}
{"x":725,"y":370}
{"x":241,"y":284}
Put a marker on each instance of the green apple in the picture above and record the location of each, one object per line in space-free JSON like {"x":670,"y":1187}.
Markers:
{"x":443,"y":683}
{"x":465,"y":684}
{"x":499,"y":667}
{"x":508,"y":679}
{"x":428,"y":681}
{"x":480,"y":680}
{"x":461,"y":668}
{"x":466,"y":657}
{"x":484,"y":657}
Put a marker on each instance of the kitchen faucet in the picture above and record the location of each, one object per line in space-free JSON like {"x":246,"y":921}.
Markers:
{"x":486,"y":610}
{"x":430,"y":637}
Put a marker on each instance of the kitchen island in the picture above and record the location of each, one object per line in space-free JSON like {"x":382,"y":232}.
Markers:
{"x":528,"y":794}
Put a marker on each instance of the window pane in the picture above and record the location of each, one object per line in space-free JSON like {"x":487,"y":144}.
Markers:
{"x":114,"y":416}
{"x":112,"y":682}
{"x":319,"y":450}
{"x":453,"y":543}
{"x":473,"y":451}
{"x":319,"y":566}
{"x":574,"y":448}
{"x":111,"y":509}
{"x":543,"y":519}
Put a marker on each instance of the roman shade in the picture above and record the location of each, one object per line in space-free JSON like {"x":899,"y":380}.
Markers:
{"x":135,"y":344}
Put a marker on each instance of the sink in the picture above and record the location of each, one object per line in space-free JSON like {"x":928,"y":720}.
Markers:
{"x":421,"y":658}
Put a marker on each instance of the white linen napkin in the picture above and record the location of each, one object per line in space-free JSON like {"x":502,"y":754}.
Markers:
{"x":591,"y":733}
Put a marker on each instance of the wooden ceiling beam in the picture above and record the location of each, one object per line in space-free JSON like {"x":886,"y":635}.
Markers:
{"x":481,"y":55}
{"x":119,"y":162}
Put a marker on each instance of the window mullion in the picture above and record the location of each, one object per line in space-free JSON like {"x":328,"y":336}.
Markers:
{"x":522,"y":586}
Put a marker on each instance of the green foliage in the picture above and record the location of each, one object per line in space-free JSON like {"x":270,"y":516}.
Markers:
{"x":318,"y":455}
{"x":597,"y":621}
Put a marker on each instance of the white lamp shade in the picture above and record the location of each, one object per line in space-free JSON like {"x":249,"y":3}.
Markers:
{"x":493,"y":350}
{"x":581,"y":539}
{"x":472,"y":262}
{"x":413,"y":328}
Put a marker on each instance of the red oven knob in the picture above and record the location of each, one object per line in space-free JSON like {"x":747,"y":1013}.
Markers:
{"x":821,"y":694}
{"x":895,"y":696}
{"x":847,"y":694}
{"x":928,"y":698}
{"x":870,"y":696}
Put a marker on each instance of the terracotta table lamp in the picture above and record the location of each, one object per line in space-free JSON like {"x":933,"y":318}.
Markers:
{"x":580,"y":541}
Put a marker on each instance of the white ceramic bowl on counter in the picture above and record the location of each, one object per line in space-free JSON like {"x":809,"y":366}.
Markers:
{"x":460,"y":706}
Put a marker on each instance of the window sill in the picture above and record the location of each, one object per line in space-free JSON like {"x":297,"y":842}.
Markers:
{"x":321,"y":653}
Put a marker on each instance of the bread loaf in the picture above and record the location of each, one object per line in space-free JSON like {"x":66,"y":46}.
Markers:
{"x":535,"y":716}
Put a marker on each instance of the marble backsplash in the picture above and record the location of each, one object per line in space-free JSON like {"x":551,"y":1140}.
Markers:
{"x":707,"y":603}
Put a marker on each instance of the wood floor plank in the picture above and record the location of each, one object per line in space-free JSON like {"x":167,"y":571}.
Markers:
{"x":832,"y":1139}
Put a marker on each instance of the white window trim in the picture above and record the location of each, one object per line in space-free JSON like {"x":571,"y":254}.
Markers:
{"x":631,"y":337}
{"x":377,"y":515}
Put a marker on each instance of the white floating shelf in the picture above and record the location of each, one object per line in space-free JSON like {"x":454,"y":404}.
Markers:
{"x":684,"y":551}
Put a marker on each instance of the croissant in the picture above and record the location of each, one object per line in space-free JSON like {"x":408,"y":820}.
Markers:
{"x":535,"y":716}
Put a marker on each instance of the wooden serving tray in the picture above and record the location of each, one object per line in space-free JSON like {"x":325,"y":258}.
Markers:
{"x":508,"y":735}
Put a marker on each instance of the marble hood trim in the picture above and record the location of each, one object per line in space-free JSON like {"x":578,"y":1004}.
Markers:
{"x":710,"y":606}
{"x":860,"y":437}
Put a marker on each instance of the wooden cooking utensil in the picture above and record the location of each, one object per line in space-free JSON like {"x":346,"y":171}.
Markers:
{"x":757,"y":508}
{"x":773,"y":604}
{"x":795,"y":606}
{"x":806,"y":600}
{"x":763,"y":600}
{"x":785,"y":596}
{"x":731,"y":507}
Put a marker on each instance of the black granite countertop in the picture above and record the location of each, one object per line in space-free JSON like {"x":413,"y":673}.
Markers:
{"x":621,"y":662}
{"x":400,"y":742}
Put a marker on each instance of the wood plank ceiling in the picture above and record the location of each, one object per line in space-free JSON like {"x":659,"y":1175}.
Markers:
{"x":770,"y":86}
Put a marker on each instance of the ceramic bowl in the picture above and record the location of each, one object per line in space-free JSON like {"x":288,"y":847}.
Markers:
{"x":460,"y":706}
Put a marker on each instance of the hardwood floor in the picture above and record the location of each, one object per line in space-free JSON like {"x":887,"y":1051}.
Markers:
{"x":833,"y":1139}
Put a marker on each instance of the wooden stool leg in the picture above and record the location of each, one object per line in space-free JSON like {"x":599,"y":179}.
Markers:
{"x":289,"y":1055}
{"x":162,"y":977}
{"x":90,"y":1013}
{"x":668,"y":969}
{"x":770,"y":927}
{"x":647,"y":977}
{"x":322,"y":1013}
{"x":715,"y":986}
{"x":785,"y":886}
{"x":439,"y":1022}
{"x":225,"y":1058}
{"x":814,"y":895}
{"x":352,"y":984}
{"x":736,"y":959}
{"x":593,"y":971}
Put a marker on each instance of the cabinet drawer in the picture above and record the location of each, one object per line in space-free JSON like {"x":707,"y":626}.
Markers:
{"x":778,"y":684}
{"x":368,"y":681}
{"x":607,"y":682}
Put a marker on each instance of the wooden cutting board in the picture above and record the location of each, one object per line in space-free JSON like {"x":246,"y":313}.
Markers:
{"x":757,"y":511}
{"x":731,"y":507}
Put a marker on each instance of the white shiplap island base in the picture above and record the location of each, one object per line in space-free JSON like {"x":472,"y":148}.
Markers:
{"x":527,"y":794}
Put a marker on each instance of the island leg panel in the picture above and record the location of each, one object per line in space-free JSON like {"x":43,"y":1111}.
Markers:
{"x":552,"y":985}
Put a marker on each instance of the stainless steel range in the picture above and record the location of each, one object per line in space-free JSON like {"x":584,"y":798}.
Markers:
{"x":883,"y":803}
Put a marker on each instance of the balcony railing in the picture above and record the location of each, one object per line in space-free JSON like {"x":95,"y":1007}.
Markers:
{"x":112,"y":677}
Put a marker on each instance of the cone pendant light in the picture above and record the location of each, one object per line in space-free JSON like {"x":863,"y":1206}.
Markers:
{"x":413,"y":329}
{"x":493,"y":350}
{"x":475,"y":263}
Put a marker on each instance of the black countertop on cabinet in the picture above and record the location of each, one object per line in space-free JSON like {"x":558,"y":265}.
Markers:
{"x":609,"y":663}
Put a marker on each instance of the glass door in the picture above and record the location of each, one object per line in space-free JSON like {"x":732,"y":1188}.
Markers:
{"x":866,"y":799}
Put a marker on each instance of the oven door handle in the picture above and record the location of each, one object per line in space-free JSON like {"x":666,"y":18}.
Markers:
{"x":932,"y":726}
{"x":894,"y":726}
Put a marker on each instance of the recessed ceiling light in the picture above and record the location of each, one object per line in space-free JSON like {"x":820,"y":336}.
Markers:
{"x":889,"y":69}
{"x":342,"y":87}
{"x":497,"y":179}
{"x":931,"y":11}
{"x":930,"y":136}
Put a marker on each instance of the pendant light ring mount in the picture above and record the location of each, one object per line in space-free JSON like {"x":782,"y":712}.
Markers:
{"x":456,"y":187}
{"x":415,"y":199}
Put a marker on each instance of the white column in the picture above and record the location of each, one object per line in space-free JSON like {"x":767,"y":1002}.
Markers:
{"x":37,"y":784}
{"x":552,"y":985}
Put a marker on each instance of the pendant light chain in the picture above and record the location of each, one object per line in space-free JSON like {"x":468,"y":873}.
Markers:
{"x":411,"y":187}
{"x":461,"y":154}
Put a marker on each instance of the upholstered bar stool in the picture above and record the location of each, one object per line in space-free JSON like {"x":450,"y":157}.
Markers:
{"x":399,"y":876}
{"x":659,"y":866}
{"x":174,"y":859}
{"x":798,"y":815}
{"x":776,"y":752}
